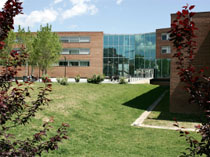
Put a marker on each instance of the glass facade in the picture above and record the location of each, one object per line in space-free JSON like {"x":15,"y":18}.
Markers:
{"x":133,"y":55}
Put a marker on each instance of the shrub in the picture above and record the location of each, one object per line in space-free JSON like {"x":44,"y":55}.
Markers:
{"x":122,"y":80}
{"x":58,"y":80}
{"x":45,"y":78}
{"x":96,"y":79}
{"x":77,"y":78}
{"x":64,"y":81}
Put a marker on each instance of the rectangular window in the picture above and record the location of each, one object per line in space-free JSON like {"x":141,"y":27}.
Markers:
{"x":64,"y":39}
{"x":63,"y":63}
{"x":84,"y":39}
{"x":84,"y":63}
{"x":165,"y":36}
{"x":79,"y":63}
{"x":84,"y":51}
{"x":73,"y":51}
{"x":165,"y":49}
{"x":75,"y":39}
{"x":65,"y":52}
{"x":74,"y":63}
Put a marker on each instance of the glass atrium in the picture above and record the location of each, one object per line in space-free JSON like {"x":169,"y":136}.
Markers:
{"x":133,"y":55}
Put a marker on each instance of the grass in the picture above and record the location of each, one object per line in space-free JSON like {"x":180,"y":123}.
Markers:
{"x":100,"y":117}
{"x":161,"y":116}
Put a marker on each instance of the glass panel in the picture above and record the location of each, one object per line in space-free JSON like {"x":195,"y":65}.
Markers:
{"x":132,"y":40}
{"x":131,"y":67}
{"x":116,"y":40}
{"x":73,"y":63}
{"x":127,"y":51}
{"x":84,"y":63}
{"x":121,"y":40}
{"x":159,"y":68}
{"x":74,"y":39}
{"x":111,"y":52}
{"x":74,"y":51}
{"x":84,"y":39}
{"x":63,"y":63}
{"x":111,"y":39}
{"x":147,"y":63}
{"x":106,"y":40}
{"x":120,"y":51}
{"x":115,"y":65}
{"x":126,"y":42}
{"x":115,"y":48}
{"x":84,"y":51}
{"x":64,"y":39}
{"x":106,"y":51}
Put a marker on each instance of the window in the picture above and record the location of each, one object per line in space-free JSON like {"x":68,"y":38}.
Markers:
{"x":65,"y":52}
{"x":165,"y":36}
{"x":79,"y":63}
{"x":74,"y":39}
{"x":74,"y":51}
{"x":84,"y":51}
{"x":63,"y":63}
{"x":165,"y":49}
{"x":84,"y":39}
{"x":74,"y":63}
{"x":64,"y":39}
{"x":84,"y":63}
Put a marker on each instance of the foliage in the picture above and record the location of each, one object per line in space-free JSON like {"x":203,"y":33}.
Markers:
{"x":64,"y":81}
{"x":96,"y":79}
{"x":8,"y":47}
{"x":47,"y":47}
{"x":25,"y":40}
{"x":122,"y":80}
{"x":14,"y":109}
{"x":197,"y":84}
{"x":45,"y":78}
{"x":58,"y":80}
{"x":77,"y":78}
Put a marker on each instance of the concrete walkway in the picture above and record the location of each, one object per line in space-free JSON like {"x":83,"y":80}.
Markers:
{"x":139,"y":121}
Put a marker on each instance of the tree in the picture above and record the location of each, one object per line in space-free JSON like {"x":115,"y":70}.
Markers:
{"x":25,"y":40}
{"x":8,"y":47}
{"x":182,"y":34}
{"x":47,"y":48}
{"x":14,"y":109}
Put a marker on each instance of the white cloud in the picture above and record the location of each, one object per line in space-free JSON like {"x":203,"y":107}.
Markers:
{"x":41,"y":17}
{"x":80,"y":7}
{"x":119,"y":2}
{"x":2,"y":2}
{"x":57,"y":1}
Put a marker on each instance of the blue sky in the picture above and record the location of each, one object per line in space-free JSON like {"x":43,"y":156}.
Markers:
{"x":109,"y":16}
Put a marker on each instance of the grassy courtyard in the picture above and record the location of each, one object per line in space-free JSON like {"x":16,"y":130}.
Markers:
{"x":100,"y":117}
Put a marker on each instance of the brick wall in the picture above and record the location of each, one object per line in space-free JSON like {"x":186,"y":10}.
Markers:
{"x":95,"y":57}
{"x":160,"y":42}
{"x":178,"y":96}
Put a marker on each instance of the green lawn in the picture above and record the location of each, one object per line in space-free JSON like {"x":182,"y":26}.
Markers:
{"x":100,"y":117}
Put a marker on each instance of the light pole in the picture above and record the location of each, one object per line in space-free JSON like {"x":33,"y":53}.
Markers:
{"x":65,"y":66}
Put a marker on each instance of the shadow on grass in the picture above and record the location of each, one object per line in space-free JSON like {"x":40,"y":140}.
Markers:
{"x":161,"y":111}
{"x":143,"y":101}
{"x":164,"y":114}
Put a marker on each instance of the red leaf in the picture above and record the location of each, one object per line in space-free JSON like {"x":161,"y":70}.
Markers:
{"x":191,"y":7}
{"x":186,"y":132}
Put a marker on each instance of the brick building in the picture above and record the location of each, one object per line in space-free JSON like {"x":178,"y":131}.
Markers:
{"x":164,"y":49}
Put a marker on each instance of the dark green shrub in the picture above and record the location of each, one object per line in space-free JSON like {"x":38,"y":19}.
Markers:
{"x":58,"y":80}
{"x":122,"y":80}
{"x":96,"y":79}
{"x":64,"y":81}
{"x":77,"y":78}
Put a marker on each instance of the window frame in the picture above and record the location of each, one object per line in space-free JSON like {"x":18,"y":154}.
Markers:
{"x":167,"y":48}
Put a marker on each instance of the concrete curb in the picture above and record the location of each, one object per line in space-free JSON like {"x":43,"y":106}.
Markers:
{"x":139,"y":121}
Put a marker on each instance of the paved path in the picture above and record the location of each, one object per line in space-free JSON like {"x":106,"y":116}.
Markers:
{"x":139,"y":121}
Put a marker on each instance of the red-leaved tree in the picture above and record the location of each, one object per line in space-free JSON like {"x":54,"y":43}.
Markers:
{"x":14,"y":109}
{"x":182,"y":34}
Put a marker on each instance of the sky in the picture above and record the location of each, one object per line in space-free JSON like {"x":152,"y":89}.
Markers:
{"x":109,"y":16}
